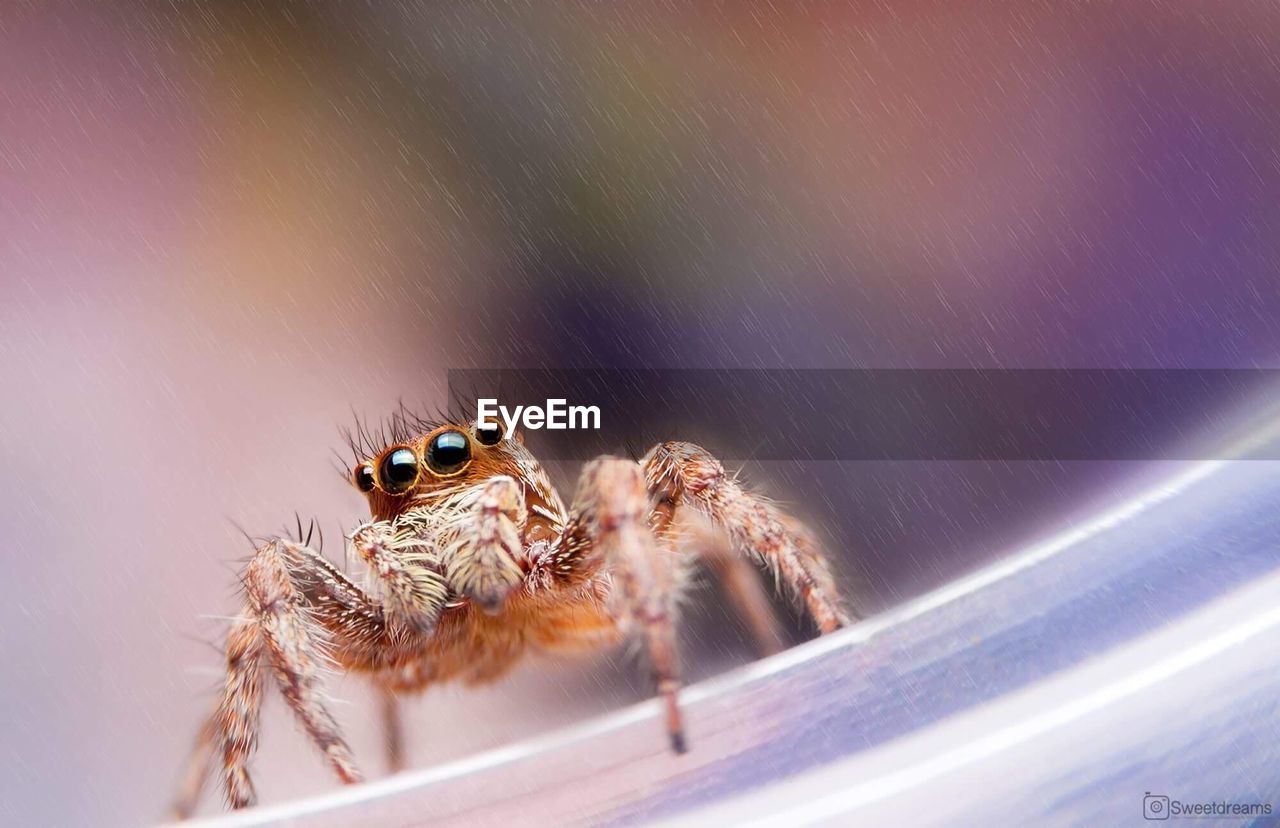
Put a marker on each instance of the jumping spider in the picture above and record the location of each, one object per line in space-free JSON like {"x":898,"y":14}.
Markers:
{"x":475,"y":560}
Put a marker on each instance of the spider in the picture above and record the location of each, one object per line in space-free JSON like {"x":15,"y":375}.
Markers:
{"x":474,"y":560}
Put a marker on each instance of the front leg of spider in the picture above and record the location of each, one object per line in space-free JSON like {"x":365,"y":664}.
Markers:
{"x":609,"y":518}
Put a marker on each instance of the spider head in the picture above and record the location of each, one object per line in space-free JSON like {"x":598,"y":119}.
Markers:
{"x":447,"y":459}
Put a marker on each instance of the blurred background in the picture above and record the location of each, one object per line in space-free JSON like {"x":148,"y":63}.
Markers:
{"x":225,"y":227}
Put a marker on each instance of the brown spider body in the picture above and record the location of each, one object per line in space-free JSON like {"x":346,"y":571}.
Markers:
{"x":467,"y":643}
{"x":474,"y":561}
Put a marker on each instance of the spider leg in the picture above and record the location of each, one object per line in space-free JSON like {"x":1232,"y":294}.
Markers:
{"x":238,"y":711}
{"x":199,"y":764}
{"x":231,"y":731}
{"x":414,"y":592}
{"x":680,"y":473}
{"x":392,"y":729}
{"x":742,"y":585}
{"x":479,"y":541}
{"x":276,"y":626}
{"x":608,"y":526}
{"x":474,"y":541}
{"x":299,"y":610}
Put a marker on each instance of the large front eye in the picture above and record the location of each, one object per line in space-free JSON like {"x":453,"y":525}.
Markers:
{"x":448,"y":452}
{"x":364,"y":478}
{"x":399,"y":471}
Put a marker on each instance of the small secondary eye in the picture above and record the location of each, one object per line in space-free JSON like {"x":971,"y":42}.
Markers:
{"x":399,"y":471}
{"x":364,"y":478}
{"x":489,"y":435}
{"x":448,"y":452}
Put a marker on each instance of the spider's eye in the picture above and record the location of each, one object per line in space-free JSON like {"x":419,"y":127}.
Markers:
{"x":448,"y":452}
{"x":489,"y":434}
{"x":364,"y":478}
{"x":399,"y":471}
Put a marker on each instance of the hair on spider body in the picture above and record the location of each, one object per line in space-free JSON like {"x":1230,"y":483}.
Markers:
{"x":477,"y":562}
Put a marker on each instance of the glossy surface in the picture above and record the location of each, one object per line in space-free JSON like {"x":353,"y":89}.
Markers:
{"x":447,"y":452}
{"x":399,"y":470}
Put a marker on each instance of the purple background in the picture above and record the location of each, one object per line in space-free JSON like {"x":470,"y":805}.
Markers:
{"x":222,"y":228}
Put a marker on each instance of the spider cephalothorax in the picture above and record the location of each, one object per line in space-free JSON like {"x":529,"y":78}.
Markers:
{"x":476,"y":561}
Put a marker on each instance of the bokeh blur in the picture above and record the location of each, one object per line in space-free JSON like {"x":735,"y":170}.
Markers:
{"x":225,"y":226}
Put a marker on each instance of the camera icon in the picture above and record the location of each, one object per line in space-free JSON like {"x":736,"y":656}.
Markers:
{"x":1155,"y":807}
